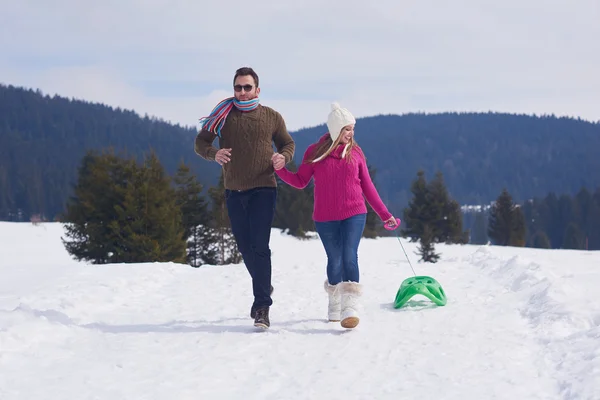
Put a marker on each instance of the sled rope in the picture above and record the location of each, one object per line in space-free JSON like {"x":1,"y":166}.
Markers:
{"x":406,"y":255}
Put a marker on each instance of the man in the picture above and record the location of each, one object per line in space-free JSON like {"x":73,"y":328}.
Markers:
{"x":247,"y":131}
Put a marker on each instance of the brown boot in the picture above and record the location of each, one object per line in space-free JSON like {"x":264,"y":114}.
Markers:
{"x":253,"y":310}
{"x":262,"y":318}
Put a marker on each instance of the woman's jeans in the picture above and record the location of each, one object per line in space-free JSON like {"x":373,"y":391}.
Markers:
{"x":341,"y":240}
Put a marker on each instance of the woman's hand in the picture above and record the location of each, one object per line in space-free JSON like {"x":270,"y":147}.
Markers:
{"x":392,"y":222}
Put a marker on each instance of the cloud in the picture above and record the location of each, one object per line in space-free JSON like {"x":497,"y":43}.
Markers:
{"x":175,"y":59}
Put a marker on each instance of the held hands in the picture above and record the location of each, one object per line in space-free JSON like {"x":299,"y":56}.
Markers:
{"x":278,"y":161}
{"x":223,"y":156}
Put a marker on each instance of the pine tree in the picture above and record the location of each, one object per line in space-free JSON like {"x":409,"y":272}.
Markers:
{"x":551,"y":222}
{"x":225,"y":246}
{"x":454,"y":224}
{"x":149,"y":227}
{"x":293,"y":212}
{"x":506,"y":225}
{"x":431,"y":204}
{"x":426,"y":248}
{"x":127,"y":230}
{"x":446,"y":214}
{"x":593,"y":233}
{"x":540,"y":240}
{"x":518,"y":228}
{"x":568,"y":211}
{"x":499,"y":225}
{"x":479,"y":229}
{"x":373,"y":224}
{"x":100,"y":188}
{"x":533,"y":220}
{"x":123,"y":213}
{"x":417,"y":210}
{"x":574,"y":238}
{"x":585,"y":204}
{"x":196,"y":218}
{"x":437,"y":200}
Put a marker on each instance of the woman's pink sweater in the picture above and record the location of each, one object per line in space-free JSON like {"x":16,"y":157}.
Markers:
{"x":339,"y":185}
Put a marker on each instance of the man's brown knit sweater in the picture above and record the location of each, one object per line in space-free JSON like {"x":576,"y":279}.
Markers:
{"x":250,"y":136}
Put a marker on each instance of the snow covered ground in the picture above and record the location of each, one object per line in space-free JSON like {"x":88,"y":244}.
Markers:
{"x":519,"y":323}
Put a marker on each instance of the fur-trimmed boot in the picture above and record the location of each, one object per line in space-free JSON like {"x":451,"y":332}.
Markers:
{"x":335,"y":306}
{"x":351,"y":292}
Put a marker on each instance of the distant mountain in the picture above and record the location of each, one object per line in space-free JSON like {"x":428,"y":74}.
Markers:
{"x":478,"y":153}
{"x":43,"y":138}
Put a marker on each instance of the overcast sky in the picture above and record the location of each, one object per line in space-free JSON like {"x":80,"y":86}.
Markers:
{"x":175,"y":59}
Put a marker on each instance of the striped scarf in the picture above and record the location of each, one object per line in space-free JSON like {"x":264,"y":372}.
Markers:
{"x":215,"y":121}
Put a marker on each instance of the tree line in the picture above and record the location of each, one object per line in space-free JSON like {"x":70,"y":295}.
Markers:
{"x":123,"y":210}
{"x":551,"y":222}
{"x":43,"y":138}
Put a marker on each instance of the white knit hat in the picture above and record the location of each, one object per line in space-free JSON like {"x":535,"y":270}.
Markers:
{"x":338,"y":118}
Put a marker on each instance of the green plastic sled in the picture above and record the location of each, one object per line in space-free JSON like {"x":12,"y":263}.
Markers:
{"x":423,"y":285}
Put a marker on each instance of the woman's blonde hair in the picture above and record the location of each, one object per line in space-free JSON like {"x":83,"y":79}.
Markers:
{"x":323,"y":149}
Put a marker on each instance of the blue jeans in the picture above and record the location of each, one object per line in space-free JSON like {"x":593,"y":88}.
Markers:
{"x":341,"y":240}
{"x":251,"y":214}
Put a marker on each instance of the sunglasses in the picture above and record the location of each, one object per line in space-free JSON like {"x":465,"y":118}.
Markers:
{"x":247,"y":88}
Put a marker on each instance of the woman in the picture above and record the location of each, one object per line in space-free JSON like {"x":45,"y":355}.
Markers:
{"x":341,"y":178}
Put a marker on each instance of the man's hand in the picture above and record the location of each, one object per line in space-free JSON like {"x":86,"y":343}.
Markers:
{"x":223,"y":156}
{"x":278,"y":161}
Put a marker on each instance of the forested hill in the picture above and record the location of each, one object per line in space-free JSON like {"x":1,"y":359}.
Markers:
{"x":478,"y":153}
{"x":43,"y":138}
